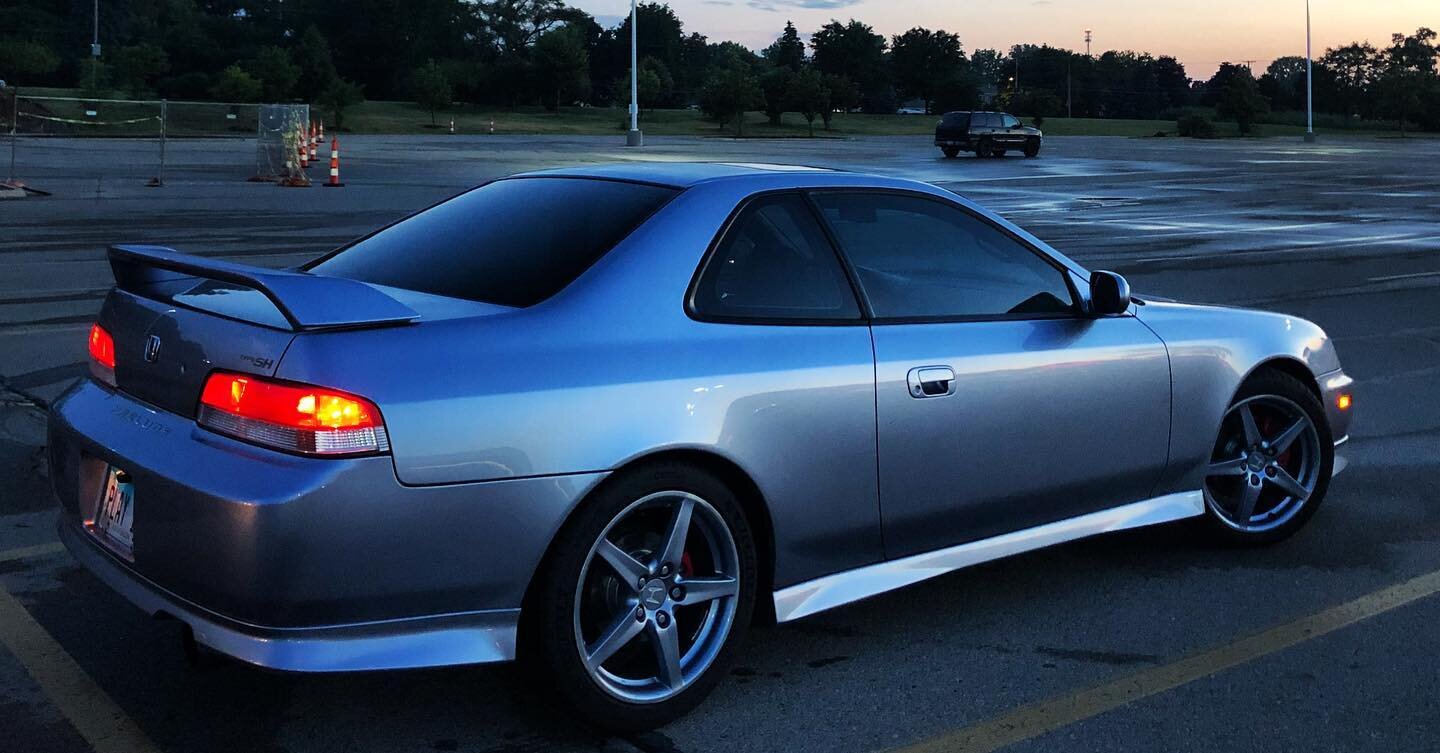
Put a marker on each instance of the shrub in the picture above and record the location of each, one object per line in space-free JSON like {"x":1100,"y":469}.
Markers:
{"x":1195,"y":127}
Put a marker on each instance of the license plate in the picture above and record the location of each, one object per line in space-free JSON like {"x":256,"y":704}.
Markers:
{"x":116,"y":516}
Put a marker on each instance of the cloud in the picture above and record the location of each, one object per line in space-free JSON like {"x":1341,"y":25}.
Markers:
{"x":777,"y":5}
{"x":717,"y":2}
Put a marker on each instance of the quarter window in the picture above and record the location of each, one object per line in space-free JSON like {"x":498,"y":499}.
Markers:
{"x":774,"y":262}
{"x":922,"y":258}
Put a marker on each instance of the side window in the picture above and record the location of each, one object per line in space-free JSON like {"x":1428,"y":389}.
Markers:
{"x":918,"y":257}
{"x":774,"y":262}
{"x":989,"y":120}
{"x":1010,"y":121}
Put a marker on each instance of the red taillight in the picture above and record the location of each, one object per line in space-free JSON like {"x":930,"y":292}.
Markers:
{"x":291,"y":417}
{"x":102,"y":355}
{"x":102,"y":346}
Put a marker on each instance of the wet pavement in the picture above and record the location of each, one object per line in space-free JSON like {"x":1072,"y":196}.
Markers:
{"x":1345,"y":232}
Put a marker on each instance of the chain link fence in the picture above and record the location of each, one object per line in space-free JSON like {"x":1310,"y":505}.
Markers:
{"x":277,"y":129}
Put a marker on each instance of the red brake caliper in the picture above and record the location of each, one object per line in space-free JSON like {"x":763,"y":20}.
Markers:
{"x":686,"y":568}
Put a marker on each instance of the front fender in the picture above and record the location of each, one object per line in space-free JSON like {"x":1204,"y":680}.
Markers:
{"x":1213,"y":350}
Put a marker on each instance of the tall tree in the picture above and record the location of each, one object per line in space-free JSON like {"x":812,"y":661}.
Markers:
{"x":317,"y":67}
{"x":137,"y":67}
{"x":729,"y":93}
{"x":808,"y":96}
{"x":1356,"y":67}
{"x":431,"y":88}
{"x":775,"y":85}
{"x":855,"y":51}
{"x":787,"y":51}
{"x":923,"y":60}
{"x":563,"y":63}
{"x":1237,"y":96}
{"x":276,"y":72}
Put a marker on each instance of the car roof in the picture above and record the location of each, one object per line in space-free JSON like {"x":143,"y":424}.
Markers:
{"x":675,"y":174}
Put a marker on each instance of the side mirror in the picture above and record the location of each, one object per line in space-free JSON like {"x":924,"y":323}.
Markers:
{"x":1109,"y":294}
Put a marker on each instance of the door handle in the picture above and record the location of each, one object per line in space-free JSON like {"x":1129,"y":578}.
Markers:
{"x":931,"y":381}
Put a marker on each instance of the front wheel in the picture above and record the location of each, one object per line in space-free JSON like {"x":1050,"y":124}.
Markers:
{"x":646,"y":595}
{"x":1271,"y":464}
{"x":1032,"y":148}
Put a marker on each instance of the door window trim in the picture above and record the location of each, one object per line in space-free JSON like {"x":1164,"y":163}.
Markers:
{"x":1076,"y":305}
{"x":861,"y":303}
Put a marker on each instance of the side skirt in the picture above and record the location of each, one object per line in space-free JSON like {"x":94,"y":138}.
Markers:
{"x":804,"y":599}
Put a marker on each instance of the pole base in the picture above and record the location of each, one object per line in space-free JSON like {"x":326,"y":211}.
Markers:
{"x":635,"y":138}
{"x":333,"y":185}
{"x":1310,"y":138}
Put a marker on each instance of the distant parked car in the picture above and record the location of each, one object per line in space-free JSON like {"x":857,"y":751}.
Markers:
{"x":987,"y":134}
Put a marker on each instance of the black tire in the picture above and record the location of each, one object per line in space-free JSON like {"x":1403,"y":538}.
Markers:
{"x":985,"y":147}
{"x":1278,"y":384}
{"x":1032,"y":148}
{"x":549,"y":641}
{"x":951,"y":152}
{"x":1000,"y":152}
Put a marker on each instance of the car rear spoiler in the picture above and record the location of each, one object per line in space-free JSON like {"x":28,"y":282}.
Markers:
{"x":308,"y":302}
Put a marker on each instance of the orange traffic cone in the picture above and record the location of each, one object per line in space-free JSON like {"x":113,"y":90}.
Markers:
{"x":322,"y":131}
{"x":300,"y":147}
{"x":314,"y":143}
{"x":334,"y":165}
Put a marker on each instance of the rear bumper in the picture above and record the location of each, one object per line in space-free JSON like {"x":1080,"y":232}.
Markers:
{"x":946,"y":141}
{"x":302,"y":563}
{"x":469,"y":638}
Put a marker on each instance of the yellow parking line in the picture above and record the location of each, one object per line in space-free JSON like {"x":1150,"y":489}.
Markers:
{"x":26,"y":552}
{"x":103,"y":724}
{"x":1047,"y":716}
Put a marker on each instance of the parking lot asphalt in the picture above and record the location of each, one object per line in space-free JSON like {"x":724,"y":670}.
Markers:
{"x":1141,"y":641}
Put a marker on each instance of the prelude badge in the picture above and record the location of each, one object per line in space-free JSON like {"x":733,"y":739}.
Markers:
{"x":152,"y":349}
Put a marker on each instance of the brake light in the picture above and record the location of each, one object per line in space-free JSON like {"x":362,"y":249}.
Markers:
{"x":102,"y":354}
{"x":292,"y":417}
{"x":102,"y":346}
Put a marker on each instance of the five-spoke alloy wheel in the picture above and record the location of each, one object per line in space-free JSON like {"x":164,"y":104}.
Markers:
{"x":656,"y":599}
{"x":647,"y":592}
{"x":1271,"y":463}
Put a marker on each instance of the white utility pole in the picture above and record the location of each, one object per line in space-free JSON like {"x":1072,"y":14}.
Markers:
{"x":1309,"y":82}
{"x":634,"y":137}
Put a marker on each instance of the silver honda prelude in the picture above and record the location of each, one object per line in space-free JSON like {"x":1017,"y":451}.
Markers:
{"x":602,"y":419}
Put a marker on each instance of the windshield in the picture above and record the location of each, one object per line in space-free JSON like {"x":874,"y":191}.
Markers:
{"x":513,"y":242}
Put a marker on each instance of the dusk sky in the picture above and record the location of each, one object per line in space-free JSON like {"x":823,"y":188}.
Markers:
{"x":1201,"y":34}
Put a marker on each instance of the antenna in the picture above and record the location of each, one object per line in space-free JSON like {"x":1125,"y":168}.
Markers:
{"x":1089,"y":35}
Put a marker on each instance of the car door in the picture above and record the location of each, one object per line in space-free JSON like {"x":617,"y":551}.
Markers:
{"x":1010,"y":130}
{"x":999,"y":406}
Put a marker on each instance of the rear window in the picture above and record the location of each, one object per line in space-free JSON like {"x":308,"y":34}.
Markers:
{"x":512,"y":242}
{"x":956,"y":119}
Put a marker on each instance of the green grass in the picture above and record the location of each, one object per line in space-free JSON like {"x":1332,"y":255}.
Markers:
{"x":385,"y":117}
{"x":404,"y":117}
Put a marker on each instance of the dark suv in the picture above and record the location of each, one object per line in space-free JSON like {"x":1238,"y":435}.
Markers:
{"x":987,"y":134}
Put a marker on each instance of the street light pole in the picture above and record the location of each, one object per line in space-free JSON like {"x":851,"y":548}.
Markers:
{"x":634,"y":137}
{"x":1309,"y":82}
{"x":95,"y":49}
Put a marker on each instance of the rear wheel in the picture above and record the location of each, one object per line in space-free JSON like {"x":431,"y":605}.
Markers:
{"x":985,"y":147}
{"x":647,"y":592}
{"x":1271,"y":464}
{"x":951,"y":152}
{"x":1032,"y":148}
